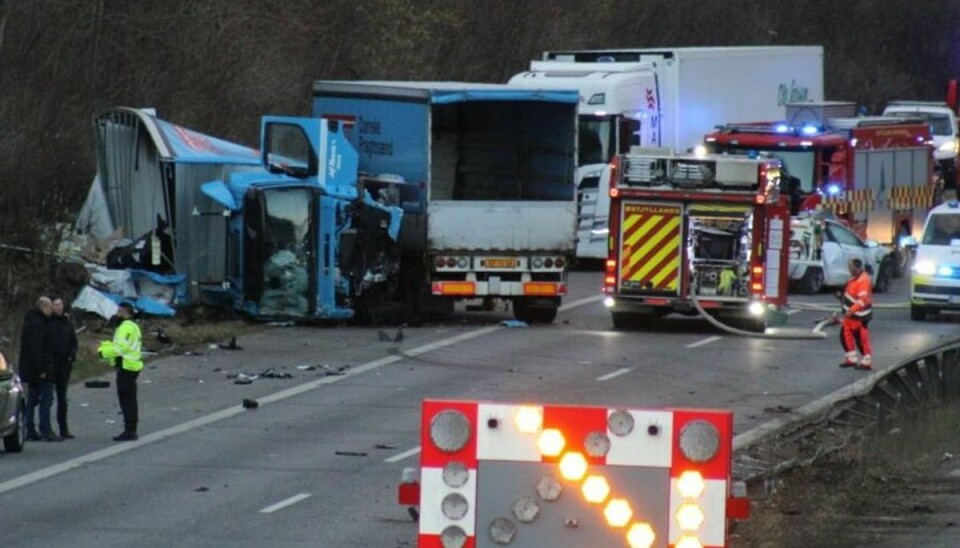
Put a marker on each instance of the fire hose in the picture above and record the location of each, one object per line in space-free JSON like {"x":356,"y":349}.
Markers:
{"x":815,"y":334}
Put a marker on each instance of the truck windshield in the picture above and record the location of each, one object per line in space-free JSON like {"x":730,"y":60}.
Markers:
{"x":942,"y":229}
{"x":597,"y":139}
{"x":939,"y":123}
{"x":287,"y":242}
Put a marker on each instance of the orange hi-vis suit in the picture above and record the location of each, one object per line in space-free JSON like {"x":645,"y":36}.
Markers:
{"x":857,"y":313}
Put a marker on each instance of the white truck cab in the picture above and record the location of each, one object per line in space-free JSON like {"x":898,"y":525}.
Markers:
{"x":943,"y":129}
{"x":935,"y":284}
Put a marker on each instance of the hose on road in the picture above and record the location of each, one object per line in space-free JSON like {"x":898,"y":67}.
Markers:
{"x":815,"y":334}
{"x":827,"y":308}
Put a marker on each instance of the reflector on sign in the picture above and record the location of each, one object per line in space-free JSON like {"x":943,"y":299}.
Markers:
{"x":690,"y":484}
{"x":595,"y":489}
{"x":551,"y":442}
{"x":449,"y":431}
{"x":641,"y":535}
{"x":529,"y":419}
{"x":699,"y":441}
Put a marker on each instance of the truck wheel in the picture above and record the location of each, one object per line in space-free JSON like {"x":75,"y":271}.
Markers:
{"x":812,"y":281}
{"x":14,"y":441}
{"x":533,"y":314}
{"x":624,"y":320}
{"x":882,"y":283}
{"x":918,"y":313}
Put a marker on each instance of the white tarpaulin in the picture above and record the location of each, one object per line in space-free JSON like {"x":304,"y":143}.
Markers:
{"x":94,"y":218}
{"x":92,"y":300}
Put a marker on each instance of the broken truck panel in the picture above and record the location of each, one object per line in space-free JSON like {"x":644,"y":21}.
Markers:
{"x":149,"y":172}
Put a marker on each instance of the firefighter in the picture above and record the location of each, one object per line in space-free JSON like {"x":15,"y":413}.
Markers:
{"x":124,"y":353}
{"x":857,"y":302}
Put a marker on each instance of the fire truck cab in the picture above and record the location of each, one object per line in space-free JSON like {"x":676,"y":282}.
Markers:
{"x":695,"y":229}
{"x":874,"y":173}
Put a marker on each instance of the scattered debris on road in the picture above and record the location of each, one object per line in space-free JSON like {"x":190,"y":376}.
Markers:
{"x":513,"y":323}
{"x":97,"y":384}
{"x":230,"y":345}
{"x":249,"y":403}
{"x":351,"y":453}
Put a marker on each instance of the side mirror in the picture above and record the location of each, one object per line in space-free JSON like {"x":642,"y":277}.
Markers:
{"x":908,"y":241}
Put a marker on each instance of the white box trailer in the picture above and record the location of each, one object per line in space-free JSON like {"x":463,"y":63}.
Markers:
{"x":666,"y":97}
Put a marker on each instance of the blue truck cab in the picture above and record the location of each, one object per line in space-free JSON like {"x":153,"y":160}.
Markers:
{"x":303,"y":242}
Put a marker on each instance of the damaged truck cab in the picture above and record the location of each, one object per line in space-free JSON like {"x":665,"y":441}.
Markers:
{"x":303,"y":242}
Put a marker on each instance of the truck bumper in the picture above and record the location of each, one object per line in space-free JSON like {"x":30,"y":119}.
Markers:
{"x":494,"y":287}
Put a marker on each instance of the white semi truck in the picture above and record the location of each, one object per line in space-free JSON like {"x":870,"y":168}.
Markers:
{"x":665,"y":97}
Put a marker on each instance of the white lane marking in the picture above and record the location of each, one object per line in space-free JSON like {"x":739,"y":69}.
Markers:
{"x":284,"y":503}
{"x":617,"y":373}
{"x":113,"y":450}
{"x":581,"y":302}
{"x":400,"y":456}
{"x":704,"y":342}
{"x":793,"y":311}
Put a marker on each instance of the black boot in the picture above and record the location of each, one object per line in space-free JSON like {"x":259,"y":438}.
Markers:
{"x":126,"y":436}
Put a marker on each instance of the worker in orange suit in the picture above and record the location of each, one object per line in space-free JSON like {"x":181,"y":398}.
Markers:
{"x":857,"y":302}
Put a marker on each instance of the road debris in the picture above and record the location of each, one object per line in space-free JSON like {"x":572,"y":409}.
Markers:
{"x":513,"y":323}
{"x":384,"y":446}
{"x":244,"y":378}
{"x":249,"y":403}
{"x":307,"y":367}
{"x":231,"y":345}
{"x":351,"y":453}
{"x":202,"y":489}
{"x":272,"y":373}
{"x":97,"y":384}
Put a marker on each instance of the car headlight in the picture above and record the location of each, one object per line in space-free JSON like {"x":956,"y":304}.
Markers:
{"x":949,"y":146}
{"x":925,"y":268}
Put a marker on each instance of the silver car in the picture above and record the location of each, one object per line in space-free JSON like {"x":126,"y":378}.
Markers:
{"x":12,"y":408}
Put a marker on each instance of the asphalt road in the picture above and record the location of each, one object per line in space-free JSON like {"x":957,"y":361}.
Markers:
{"x":208,"y":473}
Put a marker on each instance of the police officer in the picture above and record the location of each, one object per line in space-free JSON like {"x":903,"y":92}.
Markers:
{"x":857,"y":312}
{"x":124,"y":352}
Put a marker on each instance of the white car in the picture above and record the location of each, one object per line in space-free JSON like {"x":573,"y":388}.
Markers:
{"x":935,"y":283}
{"x":821,"y":250}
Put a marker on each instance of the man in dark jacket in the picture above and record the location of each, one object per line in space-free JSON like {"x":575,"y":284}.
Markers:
{"x":36,"y":369}
{"x":64,"y":341}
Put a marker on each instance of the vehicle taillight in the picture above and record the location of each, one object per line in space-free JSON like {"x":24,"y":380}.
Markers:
{"x":559,"y":262}
{"x":440,"y":262}
{"x":756,"y":279}
{"x":548,"y":263}
{"x":451,"y":262}
{"x":610,"y":278}
{"x":614,"y":192}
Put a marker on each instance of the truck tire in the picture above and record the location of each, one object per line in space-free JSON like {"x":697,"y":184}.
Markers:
{"x":533,"y":314}
{"x":812,"y":281}
{"x":14,"y":441}
{"x":918,"y":313}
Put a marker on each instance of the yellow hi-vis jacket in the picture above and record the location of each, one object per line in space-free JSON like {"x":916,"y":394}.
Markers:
{"x":125,"y":345}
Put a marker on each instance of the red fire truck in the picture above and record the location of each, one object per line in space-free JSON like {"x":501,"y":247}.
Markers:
{"x":689,"y":229}
{"x":494,"y":474}
{"x":875,"y":173}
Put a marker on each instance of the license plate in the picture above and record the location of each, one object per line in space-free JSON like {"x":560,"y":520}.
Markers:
{"x":500,"y":263}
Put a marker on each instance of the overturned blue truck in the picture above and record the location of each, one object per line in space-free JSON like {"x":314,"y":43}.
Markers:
{"x":283,"y":233}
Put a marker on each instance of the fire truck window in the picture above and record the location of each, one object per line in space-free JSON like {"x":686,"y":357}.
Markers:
{"x":799,"y":164}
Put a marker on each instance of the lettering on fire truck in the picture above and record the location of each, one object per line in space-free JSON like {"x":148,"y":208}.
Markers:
{"x":571,"y":476}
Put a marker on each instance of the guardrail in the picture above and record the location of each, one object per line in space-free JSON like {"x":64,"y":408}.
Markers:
{"x":921,"y":382}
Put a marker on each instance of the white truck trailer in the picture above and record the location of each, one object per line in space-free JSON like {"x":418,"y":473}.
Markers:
{"x":665,"y":97}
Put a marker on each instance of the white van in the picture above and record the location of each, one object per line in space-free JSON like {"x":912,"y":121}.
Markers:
{"x":935,"y":284}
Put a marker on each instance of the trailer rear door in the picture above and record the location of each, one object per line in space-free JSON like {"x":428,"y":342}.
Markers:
{"x":651,"y":248}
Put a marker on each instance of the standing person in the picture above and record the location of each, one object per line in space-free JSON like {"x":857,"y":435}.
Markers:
{"x":64,"y":341}
{"x":124,"y":353}
{"x":857,"y":312}
{"x":36,"y":369}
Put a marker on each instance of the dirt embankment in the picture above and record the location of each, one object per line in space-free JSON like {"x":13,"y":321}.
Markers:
{"x":900,"y":488}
